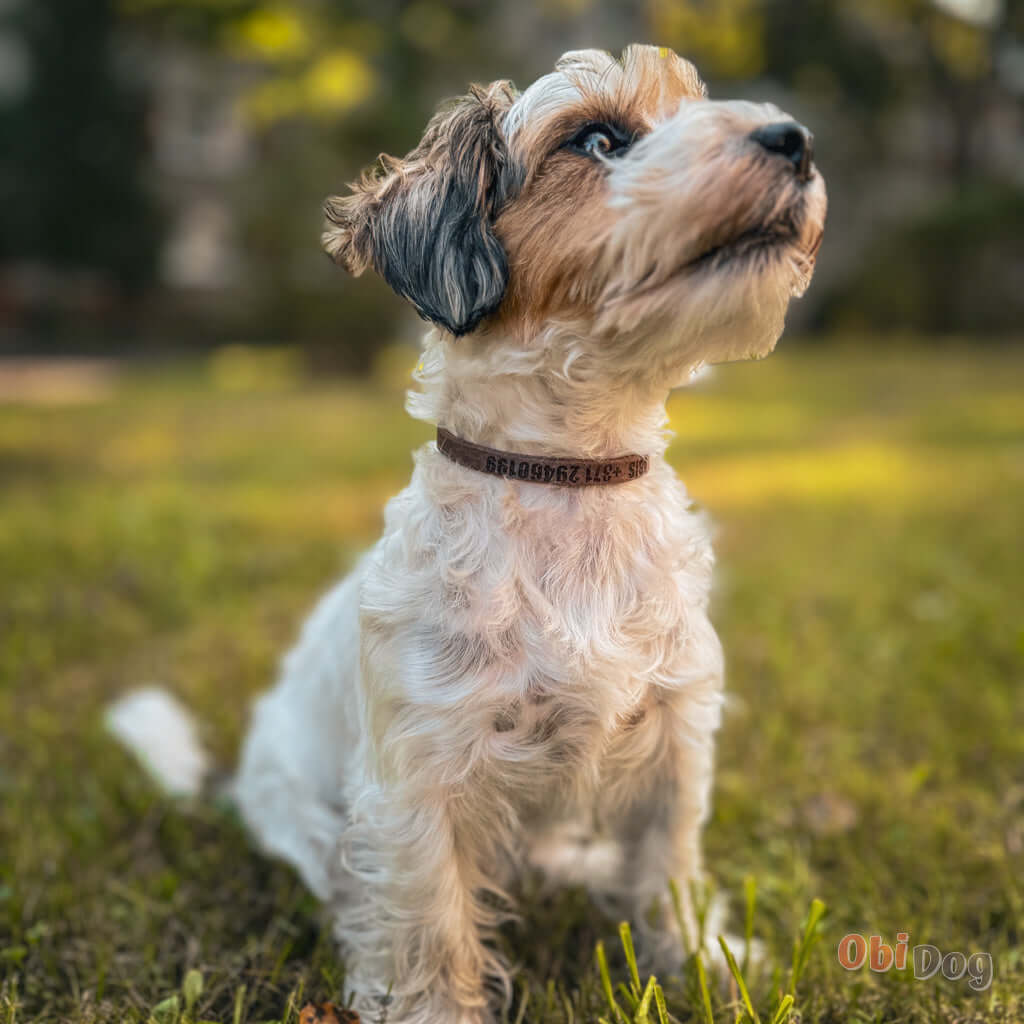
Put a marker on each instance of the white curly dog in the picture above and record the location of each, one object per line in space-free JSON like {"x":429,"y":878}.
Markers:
{"x":523,"y":666}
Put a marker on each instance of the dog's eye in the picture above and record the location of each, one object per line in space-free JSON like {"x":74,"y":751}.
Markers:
{"x":597,"y":140}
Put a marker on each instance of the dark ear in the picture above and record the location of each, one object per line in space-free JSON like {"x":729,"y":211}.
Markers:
{"x":426,"y":223}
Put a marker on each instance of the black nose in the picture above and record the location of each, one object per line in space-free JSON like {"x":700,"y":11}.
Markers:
{"x":788,"y":139}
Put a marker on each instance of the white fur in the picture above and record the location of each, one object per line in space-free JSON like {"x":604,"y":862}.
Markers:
{"x":163,"y":736}
{"x":518,"y":671}
{"x":377,"y":765}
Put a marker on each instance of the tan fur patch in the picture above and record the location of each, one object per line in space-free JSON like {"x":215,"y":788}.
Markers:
{"x":551,"y":231}
{"x":655,"y":80}
{"x":550,"y":268}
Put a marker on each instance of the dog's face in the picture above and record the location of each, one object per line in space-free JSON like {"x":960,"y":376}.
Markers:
{"x":611,"y":198}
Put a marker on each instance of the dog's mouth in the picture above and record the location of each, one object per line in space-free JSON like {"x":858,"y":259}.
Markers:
{"x":749,"y":244}
{"x":781,"y":230}
{"x":763,"y":241}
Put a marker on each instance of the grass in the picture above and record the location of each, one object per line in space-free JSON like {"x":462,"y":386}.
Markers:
{"x":178,"y":525}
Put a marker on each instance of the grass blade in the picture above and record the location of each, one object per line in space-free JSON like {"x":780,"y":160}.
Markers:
{"x":627,"y":944}
{"x":191,"y":989}
{"x":642,"y":1015}
{"x":606,"y":983}
{"x":167,"y":1011}
{"x":802,"y":948}
{"x":750,"y":900}
{"x":570,"y":1015}
{"x":740,"y":983}
{"x":700,"y":896}
{"x":631,"y":1000}
{"x":659,"y":1002}
{"x":677,"y":907}
{"x":705,"y":995}
{"x":781,"y":1014}
{"x":236,"y":1017}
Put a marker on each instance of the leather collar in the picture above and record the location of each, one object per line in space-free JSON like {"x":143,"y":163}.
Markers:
{"x":541,"y":469}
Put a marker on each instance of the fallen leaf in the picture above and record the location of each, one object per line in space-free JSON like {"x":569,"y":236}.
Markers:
{"x":325,"y":1013}
{"x":829,"y":814}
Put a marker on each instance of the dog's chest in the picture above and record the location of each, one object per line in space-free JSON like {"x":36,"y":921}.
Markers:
{"x":538,"y":640}
{"x":582,"y":629}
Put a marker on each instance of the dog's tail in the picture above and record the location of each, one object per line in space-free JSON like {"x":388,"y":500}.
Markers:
{"x":161,"y":733}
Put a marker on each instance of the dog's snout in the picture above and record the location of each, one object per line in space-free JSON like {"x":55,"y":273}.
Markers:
{"x":789,"y":140}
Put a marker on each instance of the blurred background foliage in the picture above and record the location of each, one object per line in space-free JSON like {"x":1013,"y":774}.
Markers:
{"x":163,"y":161}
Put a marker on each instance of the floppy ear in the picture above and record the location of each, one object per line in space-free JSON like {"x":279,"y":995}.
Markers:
{"x":426,"y":223}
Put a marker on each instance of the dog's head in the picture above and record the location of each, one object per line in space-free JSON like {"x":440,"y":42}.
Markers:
{"x":611,"y":198}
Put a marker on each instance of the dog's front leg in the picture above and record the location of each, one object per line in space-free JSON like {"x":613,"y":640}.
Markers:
{"x":413,"y":923}
{"x":660,"y":814}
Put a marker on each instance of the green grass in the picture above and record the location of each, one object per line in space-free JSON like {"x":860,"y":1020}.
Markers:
{"x":870,"y":598}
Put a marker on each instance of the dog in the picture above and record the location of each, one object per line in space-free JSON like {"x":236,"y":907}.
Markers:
{"x":523,"y":670}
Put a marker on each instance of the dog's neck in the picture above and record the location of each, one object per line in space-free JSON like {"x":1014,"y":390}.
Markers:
{"x":536,"y":400}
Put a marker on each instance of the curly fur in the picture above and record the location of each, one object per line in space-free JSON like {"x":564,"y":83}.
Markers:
{"x":514,"y":666}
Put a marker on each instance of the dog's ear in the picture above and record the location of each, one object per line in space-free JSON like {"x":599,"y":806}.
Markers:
{"x":426,"y":223}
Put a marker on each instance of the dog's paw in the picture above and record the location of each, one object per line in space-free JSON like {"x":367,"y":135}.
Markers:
{"x":664,"y":951}
{"x":571,"y":854}
{"x":663,"y":954}
{"x":425,"y":1008}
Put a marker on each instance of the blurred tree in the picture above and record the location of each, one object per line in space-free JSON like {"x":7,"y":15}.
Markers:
{"x":916,"y":102}
{"x":955,"y":270}
{"x":873,"y":56}
{"x":327,"y":86}
{"x":72,"y":193}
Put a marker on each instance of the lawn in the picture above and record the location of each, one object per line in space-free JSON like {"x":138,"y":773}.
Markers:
{"x":174,"y":525}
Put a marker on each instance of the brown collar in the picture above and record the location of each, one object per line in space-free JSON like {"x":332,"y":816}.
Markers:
{"x":541,"y":469}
